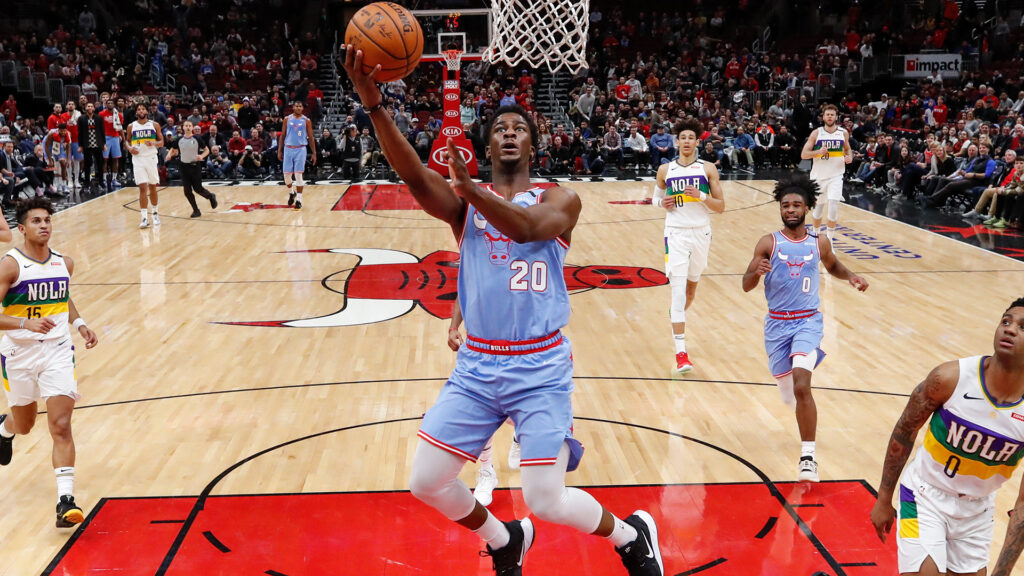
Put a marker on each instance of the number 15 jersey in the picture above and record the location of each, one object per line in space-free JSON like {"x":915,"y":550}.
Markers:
{"x":973,"y":444}
{"x":510,"y":291}
{"x":41,"y":291}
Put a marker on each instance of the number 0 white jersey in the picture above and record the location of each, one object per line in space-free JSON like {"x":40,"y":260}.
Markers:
{"x":973,"y":444}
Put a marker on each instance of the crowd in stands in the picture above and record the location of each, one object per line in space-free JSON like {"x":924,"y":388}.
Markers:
{"x":649,"y":68}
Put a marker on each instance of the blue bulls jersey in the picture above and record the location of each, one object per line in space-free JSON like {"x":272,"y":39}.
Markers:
{"x":792,"y":284}
{"x":296,"y":134}
{"x":511,"y":291}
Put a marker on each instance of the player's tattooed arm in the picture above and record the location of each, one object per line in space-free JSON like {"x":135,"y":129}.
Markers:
{"x":1014,"y":542}
{"x":924,"y":401}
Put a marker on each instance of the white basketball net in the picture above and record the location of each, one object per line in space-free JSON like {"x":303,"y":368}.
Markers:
{"x":452,"y":59}
{"x":552,"y":33}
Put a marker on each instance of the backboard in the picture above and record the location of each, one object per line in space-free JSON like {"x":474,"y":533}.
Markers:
{"x":466,"y":29}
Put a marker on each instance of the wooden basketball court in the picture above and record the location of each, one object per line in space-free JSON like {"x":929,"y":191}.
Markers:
{"x":208,"y":384}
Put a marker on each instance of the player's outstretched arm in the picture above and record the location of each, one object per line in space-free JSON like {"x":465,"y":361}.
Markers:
{"x":924,"y":401}
{"x":715,"y":202}
{"x":428,"y":187}
{"x":555,"y":215}
{"x":836,"y":268}
{"x":760,"y":264}
{"x":1014,"y":542}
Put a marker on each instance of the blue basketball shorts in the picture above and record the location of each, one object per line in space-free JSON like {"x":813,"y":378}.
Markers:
{"x":76,"y":152}
{"x":113,"y":149}
{"x":293,"y":160}
{"x":784,"y":339}
{"x":532,"y":387}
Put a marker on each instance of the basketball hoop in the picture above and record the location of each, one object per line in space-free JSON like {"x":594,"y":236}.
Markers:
{"x":552,"y":33}
{"x":452,"y":59}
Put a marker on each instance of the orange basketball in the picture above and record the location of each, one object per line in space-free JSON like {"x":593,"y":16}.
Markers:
{"x":388,"y":35}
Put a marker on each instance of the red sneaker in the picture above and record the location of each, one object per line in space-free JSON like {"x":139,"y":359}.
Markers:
{"x":683,"y":364}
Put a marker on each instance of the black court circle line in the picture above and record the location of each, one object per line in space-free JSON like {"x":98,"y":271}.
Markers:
{"x":444,"y":378}
{"x":200,"y":502}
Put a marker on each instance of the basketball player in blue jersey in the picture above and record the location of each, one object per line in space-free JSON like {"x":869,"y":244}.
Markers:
{"x":689,"y":190}
{"x":291,"y":152}
{"x":788,"y":259}
{"x":828,"y":149}
{"x":974,"y":408}
{"x":515,"y":362}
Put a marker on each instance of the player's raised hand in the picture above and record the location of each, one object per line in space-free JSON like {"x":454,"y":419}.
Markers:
{"x":859,"y":283}
{"x":883,"y":515}
{"x":364,"y":84}
{"x":763,"y":267}
{"x":457,"y":170}
{"x":90,"y":336}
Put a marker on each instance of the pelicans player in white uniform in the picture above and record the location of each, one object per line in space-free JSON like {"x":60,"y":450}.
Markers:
{"x":828,"y":148}
{"x":144,"y":141}
{"x":974,"y":408}
{"x":36,"y":353}
{"x":689,"y":190}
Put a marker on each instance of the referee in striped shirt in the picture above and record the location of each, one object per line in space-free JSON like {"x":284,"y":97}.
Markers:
{"x":192,"y":151}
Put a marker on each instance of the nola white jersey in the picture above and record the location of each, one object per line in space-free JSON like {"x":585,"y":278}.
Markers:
{"x":689,"y":212}
{"x":835,"y":164}
{"x":973,"y":443}
{"x":41,"y":291}
{"x":140,"y":134}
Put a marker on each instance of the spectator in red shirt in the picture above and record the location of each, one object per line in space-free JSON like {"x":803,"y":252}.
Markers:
{"x":940,"y":113}
{"x":525,"y":81}
{"x":54,"y":119}
{"x":10,"y":109}
{"x":622,"y":91}
{"x":236,"y":146}
{"x":733,"y":69}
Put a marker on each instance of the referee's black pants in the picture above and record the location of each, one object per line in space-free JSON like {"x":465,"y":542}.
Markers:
{"x":192,"y":179}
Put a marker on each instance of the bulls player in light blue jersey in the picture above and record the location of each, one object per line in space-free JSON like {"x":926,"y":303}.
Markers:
{"x":515,"y":363}
{"x":788,"y":259}
{"x":291,"y":151}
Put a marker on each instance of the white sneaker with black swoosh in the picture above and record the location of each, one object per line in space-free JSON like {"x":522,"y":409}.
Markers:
{"x":642,"y":557}
{"x":508,"y":560}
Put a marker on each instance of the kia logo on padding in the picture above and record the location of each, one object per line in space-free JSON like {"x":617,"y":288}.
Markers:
{"x":451,"y":131}
{"x":451,"y":113}
{"x":451,"y":96}
{"x":438,"y":156}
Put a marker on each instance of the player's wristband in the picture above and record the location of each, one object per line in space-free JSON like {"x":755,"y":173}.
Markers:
{"x":377,"y":106}
{"x":78,"y":323}
{"x":22,"y":326}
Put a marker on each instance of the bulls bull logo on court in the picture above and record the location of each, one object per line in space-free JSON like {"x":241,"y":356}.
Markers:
{"x":386,"y":284}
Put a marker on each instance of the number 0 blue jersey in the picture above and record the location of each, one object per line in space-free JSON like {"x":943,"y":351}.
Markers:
{"x":792,"y":284}
{"x":510,"y":291}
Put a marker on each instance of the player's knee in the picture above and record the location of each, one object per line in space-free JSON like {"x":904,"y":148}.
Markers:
{"x":299,"y":181}
{"x":680,"y":293}
{"x":20,"y":426}
{"x":546,"y":502}
{"x":833,"y":210}
{"x":425,"y":487}
{"x":60,"y":427}
{"x":802,"y":389}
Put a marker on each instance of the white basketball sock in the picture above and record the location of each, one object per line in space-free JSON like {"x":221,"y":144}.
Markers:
{"x":3,"y":429}
{"x":493,"y":532}
{"x":680,"y":340}
{"x":622,"y":534}
{"x":65,"y":481}
{"x":807,"y":449}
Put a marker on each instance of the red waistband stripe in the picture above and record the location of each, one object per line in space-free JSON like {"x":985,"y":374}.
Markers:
{"x":513,"y":347}
{"x":790,"y":314}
